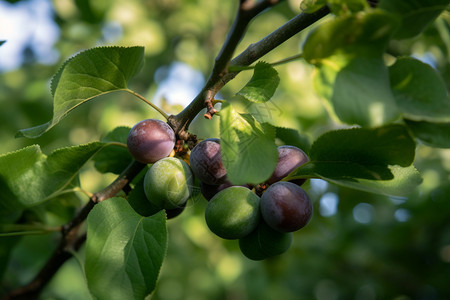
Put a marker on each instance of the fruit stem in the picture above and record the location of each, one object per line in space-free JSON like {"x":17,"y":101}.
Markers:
{"x":166,"y":116}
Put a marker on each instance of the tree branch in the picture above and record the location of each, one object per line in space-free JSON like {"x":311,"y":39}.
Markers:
{"x":247,"y":10}
{"x":71,"y":239}
{"x":220,"y":76}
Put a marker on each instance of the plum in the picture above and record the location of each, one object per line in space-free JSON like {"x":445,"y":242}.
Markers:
{"x":206,"y":162}
{"x":286,"y":207}
{"x":289,"y":158}
{"x":209,"y":190}
{"x":168,"y":183}
{"x":175,"y":212}
{"x":150,"y":140}
{"x":265,"y":242}
{"x":233,"y":212}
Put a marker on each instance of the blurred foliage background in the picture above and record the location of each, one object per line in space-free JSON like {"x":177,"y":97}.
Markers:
{"x":357,"y":246}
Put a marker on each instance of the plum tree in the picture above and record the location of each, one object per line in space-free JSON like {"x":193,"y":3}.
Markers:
{"x":168,"y":183}
{"x":286,"y":207}
{"x":206,"y":162}
{"x":348,"y":47}
{"x":265,"y":242}
{"x":150,"y":140}
{"x":289,"y":158}
{"x":233,"y":212}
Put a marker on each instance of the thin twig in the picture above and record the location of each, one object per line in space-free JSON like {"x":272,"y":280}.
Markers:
{"x":246,"y":12}
{"x":220,"y":77}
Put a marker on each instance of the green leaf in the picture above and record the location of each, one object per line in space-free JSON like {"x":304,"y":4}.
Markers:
{"x":292,"y":137}
{"x":58,"y":210}
{"x":20,"y":173}
{"x":32,"y":178}
{"x":7,"y":247}
{"x":414,"y":15}
{"x":248,"y":148}
{"x":2,"y":42}
{"x":116,"y":157}
{"x":352,"y":75}
{"x":403,"y":183}
{"x":310,"y":6}
{"x":262,"y":85}
{"x":359,"y":153}
{"x":419,"y":90}
{"x":124,"y":251}
{"x":431,"y":134}
{"x":336,"y":6}
{"x":89,"y":74}
{"x":139,"y":202}
{"x":360,"y":91}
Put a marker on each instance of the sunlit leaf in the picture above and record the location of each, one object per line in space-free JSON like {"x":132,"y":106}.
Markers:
{"x":419,"y":90}
{"x":262,"y":85}
{"x":30,"y":177}
{"x":124,"y":251}
{"x":352,"y":76}
{"x":248,"y":148}
{"x":310,"y":6}
{"x":403,"y":183}
{"x":89,"y":74}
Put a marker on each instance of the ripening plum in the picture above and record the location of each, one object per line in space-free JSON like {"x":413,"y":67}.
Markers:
{"x":233,"y":212}
{"x":265,"y":242}
{"x":206,"y":162}
{"x":168,"y":183}
{"x":286,"y":207}
{"x":150,"y":140}
{"x":289,"y":159}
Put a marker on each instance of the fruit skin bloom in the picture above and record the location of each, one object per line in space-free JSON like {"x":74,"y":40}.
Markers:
{"x":150,"y":140}
{"x":206,"y":162}
{"x":286,"y":207}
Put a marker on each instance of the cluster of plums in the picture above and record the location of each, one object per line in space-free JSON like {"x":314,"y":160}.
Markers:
{"x":263,"y":225}
{"x":169,"y":182}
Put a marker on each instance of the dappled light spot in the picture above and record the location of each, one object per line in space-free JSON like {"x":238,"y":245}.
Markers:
{"x":229,"y":268}
{"x":402,"y":215}
{"x":363,"y":213}
{"x":318,"y":186}
{"x":328,"y":204}
{"x":27,"y":41}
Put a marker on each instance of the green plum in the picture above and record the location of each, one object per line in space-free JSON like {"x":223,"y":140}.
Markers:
{"x":265,"y":242}
{"x":168,"y":183}
{"x":233,"y":212}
